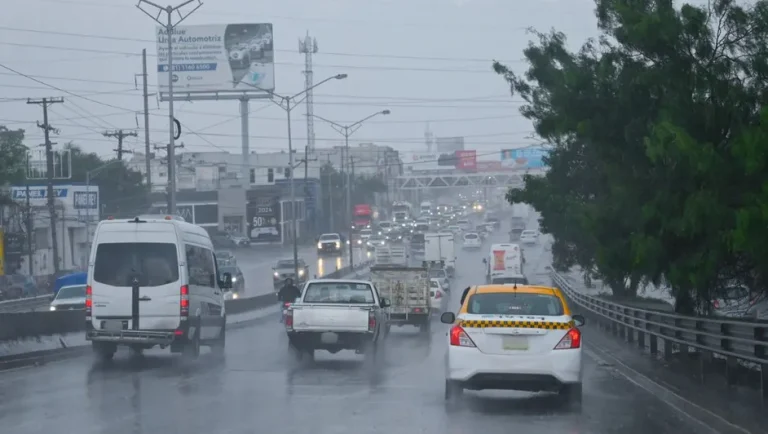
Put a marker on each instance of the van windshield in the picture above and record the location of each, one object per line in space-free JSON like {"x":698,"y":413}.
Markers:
{"x":154,"y":264}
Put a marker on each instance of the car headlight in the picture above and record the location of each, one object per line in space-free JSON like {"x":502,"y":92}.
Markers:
{"x":301,"y":273}
{"x":52,"y":308}
{"x":234,"y":280}
{"x":277,"y":274}
{"x":338,"y":244}
{"x":234,"y":296}
{"x":319,"y":245}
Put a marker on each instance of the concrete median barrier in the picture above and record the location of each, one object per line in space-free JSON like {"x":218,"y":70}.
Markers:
{"x":35,"y":337}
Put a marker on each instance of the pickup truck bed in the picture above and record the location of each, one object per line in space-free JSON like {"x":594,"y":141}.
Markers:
{"x":330,"y":318}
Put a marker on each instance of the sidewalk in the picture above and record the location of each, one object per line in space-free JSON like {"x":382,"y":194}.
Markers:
{"x":679,"y":383}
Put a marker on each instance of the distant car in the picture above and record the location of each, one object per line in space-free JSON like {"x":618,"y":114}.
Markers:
{"x":69,"y":298}
{"x":442,"y":276}
{"x":331,"y":243}
{"x":472,"y":241}
{"x":238,"y":280}
{"x":240,"y":240}
{"x":285,"y":269}
{"x":221,"y":241}
{"x":225,"y":258}
{"x":529,"y":237}
{"x":438,"y":298}
{"x":375,"y":241}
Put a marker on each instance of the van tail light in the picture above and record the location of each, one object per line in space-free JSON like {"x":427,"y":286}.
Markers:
{"x":460,"y":338}
{"x":371,"y":321}
{"x":184,"y":301}
{"x":716,"y":304}
{"x":571,"y":340}
{"x":288,"y":319}
{"x":88,"y":300}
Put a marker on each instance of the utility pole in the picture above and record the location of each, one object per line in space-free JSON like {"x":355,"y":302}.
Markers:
{"x":120,"y":135}
{"x":147,"y":149}
{"x":45,"y":102}
{"x":167,"y":149}
{"x":29,"y":227}
{"x":169,"y":25}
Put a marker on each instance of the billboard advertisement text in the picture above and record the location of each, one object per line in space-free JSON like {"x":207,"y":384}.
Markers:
{"x":217,"y":58}
{"x":263,"y":217}
{"x":524,"y":158}
{"x":430,"y":161}
{"x":450,"y":144}
{"x":466,"y":160}
{"x":488,"y":166}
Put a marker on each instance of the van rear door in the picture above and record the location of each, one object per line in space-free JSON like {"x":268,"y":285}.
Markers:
{"x":136,"y":280}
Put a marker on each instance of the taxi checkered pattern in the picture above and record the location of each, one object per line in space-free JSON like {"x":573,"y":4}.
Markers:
{"x":546,"y":325}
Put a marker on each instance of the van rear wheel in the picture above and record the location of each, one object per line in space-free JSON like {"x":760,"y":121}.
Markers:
{"x":192,"y":348}
{"x":104,"y":351}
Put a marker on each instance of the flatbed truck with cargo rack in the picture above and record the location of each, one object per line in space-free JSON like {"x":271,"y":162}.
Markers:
{"x":407,"y":289}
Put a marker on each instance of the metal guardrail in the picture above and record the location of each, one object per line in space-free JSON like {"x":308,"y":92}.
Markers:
{"x":738,"y":342}
{"x":20,"y":325}
{"x":24,"y":303}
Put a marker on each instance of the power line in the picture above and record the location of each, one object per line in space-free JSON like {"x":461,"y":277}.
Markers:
{"x":488,"y":70}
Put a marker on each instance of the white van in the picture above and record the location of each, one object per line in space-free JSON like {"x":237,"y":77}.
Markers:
{"x":154,"y":282}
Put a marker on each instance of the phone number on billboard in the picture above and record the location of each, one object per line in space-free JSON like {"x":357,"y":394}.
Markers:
{"x":195,"y":67}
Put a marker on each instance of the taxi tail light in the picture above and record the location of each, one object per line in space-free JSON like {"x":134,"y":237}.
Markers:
{"x":184,"y":301}
{"x":88,"y":300}
{"x":371,"y":321}
{"x":288,"y":319}
{"x":571,"y":340}
{"x":460,"y":338}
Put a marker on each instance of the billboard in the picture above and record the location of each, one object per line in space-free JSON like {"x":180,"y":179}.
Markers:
{"x":488,"y":166}
{"x":450,"y":144}
{"x":77,"y":197}
{"x":263,"y":216}
{"x":217,"y":58}
{"x":524,"y":158}
{"x":466,"y":160}
{"x":429,"y":161}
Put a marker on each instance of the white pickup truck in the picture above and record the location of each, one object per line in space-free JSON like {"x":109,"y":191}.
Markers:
{"x":335,"y":315}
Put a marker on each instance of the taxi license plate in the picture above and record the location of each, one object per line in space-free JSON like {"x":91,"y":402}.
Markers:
{"x":329,"y":338}
{"x":515,"y":343}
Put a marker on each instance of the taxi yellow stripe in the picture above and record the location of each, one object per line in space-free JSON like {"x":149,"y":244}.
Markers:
{"x":546,"y":325}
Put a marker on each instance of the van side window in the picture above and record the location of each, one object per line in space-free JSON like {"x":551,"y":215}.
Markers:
{"x":200,"y":266}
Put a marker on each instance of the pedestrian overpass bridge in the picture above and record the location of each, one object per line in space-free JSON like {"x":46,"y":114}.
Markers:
{"x":441,"y":180}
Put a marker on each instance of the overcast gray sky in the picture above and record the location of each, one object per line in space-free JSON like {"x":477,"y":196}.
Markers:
{"x":388,"y":48}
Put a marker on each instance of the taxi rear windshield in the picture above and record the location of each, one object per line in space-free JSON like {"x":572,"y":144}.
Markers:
{"x":154,"y":264}
{"x":515,"y":303}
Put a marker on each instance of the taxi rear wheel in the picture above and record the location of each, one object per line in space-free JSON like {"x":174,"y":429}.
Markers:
{"x":570,"y":395}
{"x":453,"y":390}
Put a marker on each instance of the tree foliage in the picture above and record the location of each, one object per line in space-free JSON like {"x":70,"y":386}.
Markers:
{"x":363,"y":189}
{"x":13,"y":161}
{"x":659,"y":159}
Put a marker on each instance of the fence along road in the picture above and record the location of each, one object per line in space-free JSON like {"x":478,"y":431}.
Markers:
{"x":740,"y":343}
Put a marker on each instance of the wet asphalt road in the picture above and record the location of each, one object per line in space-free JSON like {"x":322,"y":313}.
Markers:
{"x":256,"y":264}
{"x":258,"y":389}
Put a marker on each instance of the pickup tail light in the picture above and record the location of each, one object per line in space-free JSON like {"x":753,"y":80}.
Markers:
{"x":184,"y":301}
{"x":571,"y":340}
{"x":371,"y":321}
{"x":288,"y":318}
{"x":438,"y":295}
{"x":460,"y":338}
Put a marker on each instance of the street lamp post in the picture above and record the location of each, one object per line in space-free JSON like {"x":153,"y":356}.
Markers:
{"x":288,"y":103}
{"x":346,"y":131}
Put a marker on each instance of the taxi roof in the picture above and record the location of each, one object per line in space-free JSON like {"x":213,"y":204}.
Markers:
{"x":529,"y":289}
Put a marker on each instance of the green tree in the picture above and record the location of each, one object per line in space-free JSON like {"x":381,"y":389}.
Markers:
{"x":121,"y":190}
{"x":13,"y":151}
{"x":657,"y":170}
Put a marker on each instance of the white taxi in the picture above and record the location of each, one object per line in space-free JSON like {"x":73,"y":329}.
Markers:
{"x":514,"y":337}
